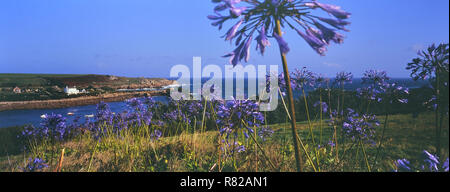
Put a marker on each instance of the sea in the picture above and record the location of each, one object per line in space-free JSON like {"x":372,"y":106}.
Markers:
{"x":33,"y":116}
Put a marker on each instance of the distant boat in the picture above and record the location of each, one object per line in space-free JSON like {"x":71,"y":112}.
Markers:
{"x":70,"y":113}
{"x":89,"y":116}
{"x":43,"y":116}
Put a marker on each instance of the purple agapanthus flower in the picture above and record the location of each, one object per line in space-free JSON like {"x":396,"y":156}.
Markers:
{"x":265,"y":132}
{"x":434,"y":57}
{"x":331,"y":9}
{"x":238,"y":116}
{"x":426,"y":163}
{"x":282,"y":84}
{"x":156,"y":135}
{"x":262,"y":40}
{"x":320,"y":81}
{"x":232,"y":147}
{"x":302,"y":78}
{"x":321,"y":105}
{"x":376,"y":77}
{"x":262,"y":16}
{"x":360,"y":127}
{"x":379,"y":89}
{"x":52,"y":126}
{"x":34,"y":165}
{"x":403,"y":165}
{"x":343,"y":78}
{"x":104,"y":114}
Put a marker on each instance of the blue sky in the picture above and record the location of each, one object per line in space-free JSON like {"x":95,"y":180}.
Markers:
{"x":147,"y":37}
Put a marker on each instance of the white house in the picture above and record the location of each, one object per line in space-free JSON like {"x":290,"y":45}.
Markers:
{"x":71,"y":91}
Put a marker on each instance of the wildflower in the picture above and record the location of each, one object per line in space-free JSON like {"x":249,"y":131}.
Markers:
{"x":445,"y":166}
{"x":431,"y":162}
{"x":343,"y":78}
{"x":303,"y":78}
{"x":426,"y":163}
{"x":375,"y":77}
{"x":156,"y":135}
{"x":53,"y":126}
{"x":34,"y":165}
{"x":320,"y":80}
{"x":231,"y":148}
{"x":259,"y":16}
{"x":282,"y":84}
{"x":331,"y":143}
{"x":429,"y":60}
{"x":284,"y":48}
{"x":321,"y":105}
{"x":262,"y":41}
{"x":104,"y":114}
{"x":151,"y":103}
{"x":403,"y":165}
{"x":135,"y":104}
{"x":360,"y":127}
{"x":265,"y":132}
{"x":238,"y":116}
{"x":331,"y":9}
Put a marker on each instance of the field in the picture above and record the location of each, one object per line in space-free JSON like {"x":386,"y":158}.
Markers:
{"x":406,"y":137}
{"x":81,"y":80}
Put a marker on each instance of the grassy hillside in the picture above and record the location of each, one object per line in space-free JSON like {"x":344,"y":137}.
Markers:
{"x":25,"y":80}
{"x":51,"y":86}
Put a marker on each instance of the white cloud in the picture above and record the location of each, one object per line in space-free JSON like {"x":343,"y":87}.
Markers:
{"x":331,"y":64}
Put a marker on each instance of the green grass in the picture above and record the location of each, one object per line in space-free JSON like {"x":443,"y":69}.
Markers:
{"x":27,"y":79}
{"x":406,"y":137}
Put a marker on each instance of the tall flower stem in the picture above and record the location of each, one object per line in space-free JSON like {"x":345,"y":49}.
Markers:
{"x":382,"y":137}
{"x":321,"y":116}
{"x":366,"y":160}
{"x":310,"y":126}
{"x":287,"y":79}
{"x":438,"y":129}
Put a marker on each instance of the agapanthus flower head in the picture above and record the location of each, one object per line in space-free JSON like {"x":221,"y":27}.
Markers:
{"x":331,"y":143}
{"x":321,"y":105}
{"x":434,"y":57}
{"x":262,"y":40}
{"x":426,"y":163}
{"x":403,"y":165}
{"x":265,"y":132}
{"x":135,"y":104}
{"x":343,"y":78}
{"x":28,"y":131}
{"x":370,"y":93}
{"x":156,"y":135}
{"x":431,"y":162}
{"x":282,"y":84}
{"x":360,"y":127}
{"x":34,"y":165}
{"x":445,"y":165}
{"x":238,"y":116}
{"x":380,"y":90}
{"x":375,"y":77}
{"x":54,"y":126}
{"x":151,"y":103}
{"x":262,"y":16}
{"x":232,"y":147}
{"x":320,"y":81}
{"x":104,"y":114}
{"x":302,"y":78}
